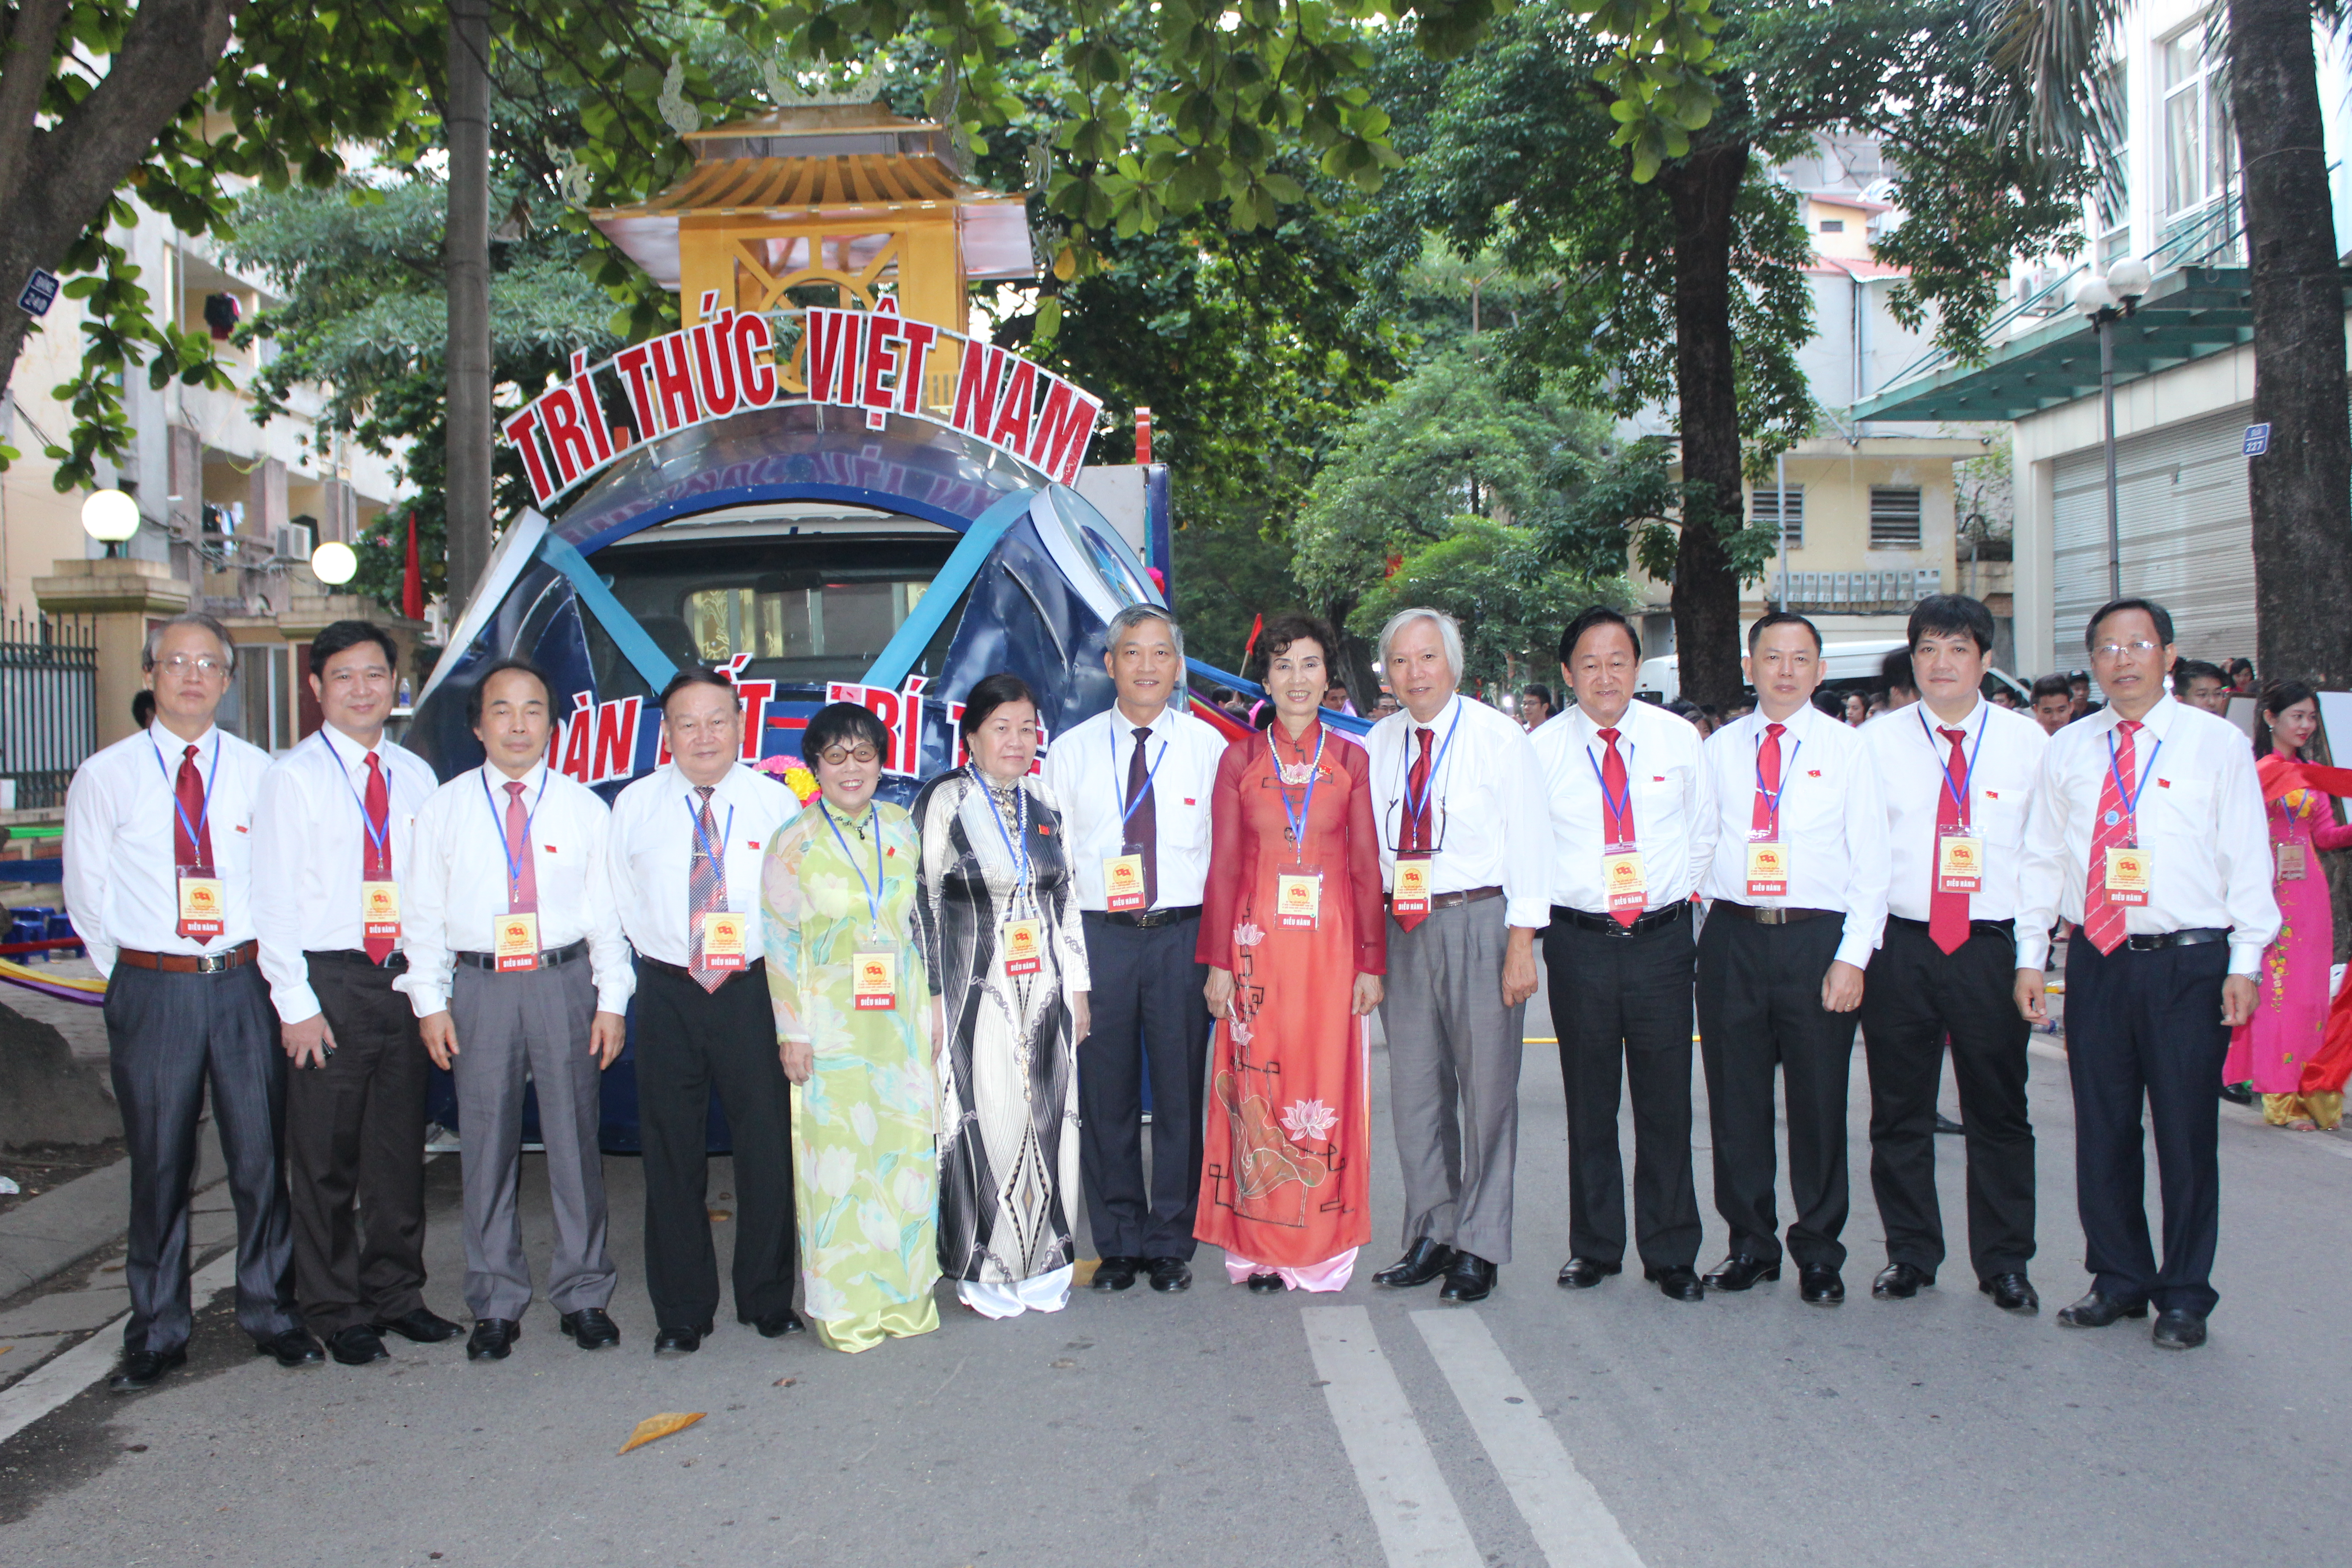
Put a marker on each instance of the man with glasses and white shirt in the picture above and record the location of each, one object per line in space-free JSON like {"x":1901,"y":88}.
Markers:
{"x":1796,"y":895}
{"x":1466,"y":850}
{"x":158,"y":876}
{"x":688,"y":842}
{"x":1958,"y":776}
{"x":332,"y":845}
{"x":2148,"y":830}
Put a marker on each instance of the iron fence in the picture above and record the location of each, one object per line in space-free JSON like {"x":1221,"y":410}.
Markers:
{"x":49,"y":705}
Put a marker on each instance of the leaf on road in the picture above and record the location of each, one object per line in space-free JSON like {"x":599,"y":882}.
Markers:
{"x":654,"y":1428}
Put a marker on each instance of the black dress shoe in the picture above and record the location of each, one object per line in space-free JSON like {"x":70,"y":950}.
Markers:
{"x":356,"y":1345}
{"x":1116,"y":1273}
{"x":2012,"y":1293}
{"x":2095,"y":1311}
{"x":2179,"y":1330}
{"x":1170,"y":1274}
{"x":1738,"y":1272}
{"x":1900,"y":1281}
{"x":144,"y":1369}
{"x":1266,"y":1284}
{"x":1584,"y":1273}
{"x":1470,"y":1278}
{"x":1423,"y":1261}
{"x":1948,"y":1127}
{"x":421,"y":1326}
{"x":295,"y":1347}
{"x":1677,"y":1282}
{"x":1819,"y":1285}
{"x":776,"y":1325}
{"x":2238,"y":1093}
{"x":492,"y":1339}
{"x":679,"y":1341}
{"x":590,"y":1329}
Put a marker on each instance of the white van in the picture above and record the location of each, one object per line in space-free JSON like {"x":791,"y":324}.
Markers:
{"x":1846,"y":666}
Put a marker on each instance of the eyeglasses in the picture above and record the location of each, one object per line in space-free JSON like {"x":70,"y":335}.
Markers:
{"x":202,"y":663}
{"x":840,"y":756}
{"x":2137,"y":647}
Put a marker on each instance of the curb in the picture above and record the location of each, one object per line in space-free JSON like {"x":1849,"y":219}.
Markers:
{"x":49,"y":1234}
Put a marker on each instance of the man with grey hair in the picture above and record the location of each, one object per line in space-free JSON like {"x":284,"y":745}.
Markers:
{"x":158,"y":878}
{"x":1465,"y":851}
{"x":1133,"y":785}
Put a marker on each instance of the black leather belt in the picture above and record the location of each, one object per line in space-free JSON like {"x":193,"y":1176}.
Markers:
{"x":1144,"y":919}
{"x":1607,"y":925}
{"x":393,"y":963}
{"x":1447,"y":900}
{"x":2194,"y":937}
{"x":680,"y":972}
{"x":1774,"y":917}
{"x":551,"y":959}
{"x":1998,"y":928}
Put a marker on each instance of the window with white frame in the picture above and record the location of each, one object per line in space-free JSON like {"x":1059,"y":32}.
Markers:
{"x":2198,"y":149}
{"x":1894,"y":516}
{"x":1765,"y":509}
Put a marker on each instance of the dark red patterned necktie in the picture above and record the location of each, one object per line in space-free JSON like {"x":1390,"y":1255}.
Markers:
{"x":375,"y":850}
{"x":1947,"y":913}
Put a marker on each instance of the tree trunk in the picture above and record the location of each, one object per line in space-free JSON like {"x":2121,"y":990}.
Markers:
{"x":468,"y":243}
{"x":1700,"y":189}
{"x":2301,"y":488}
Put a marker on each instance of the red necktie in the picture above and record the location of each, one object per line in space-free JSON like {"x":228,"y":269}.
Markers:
{"x":1617,"y":800}
{"x":375,"y":850}
{"x":706,"y":890}
{"x":1765,"y":820}
{"x":522,"y":877}
{"x":191,"y":836}
{"x":1947,"y":913}
{"x":2103,"y":921}
{"x":1143,"y":821}
{"x":1416,"y":816}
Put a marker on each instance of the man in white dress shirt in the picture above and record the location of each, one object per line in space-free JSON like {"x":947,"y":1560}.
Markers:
{"x":331,"y":846}
{"x":1133,"y":784}
{"x":1633,"y":826}
{"x":1796,"y":894}
{"x":158,"y":879}
{"x":1958,"y":776}
{"x":511,"y":891}
{"x":2149,"y":831}
{"x":688,"y":840}
{"x":1467,"y":854}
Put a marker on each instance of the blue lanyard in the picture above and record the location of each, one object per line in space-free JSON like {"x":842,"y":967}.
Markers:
{"x":195,"y":829}
{"x":2116,"y":772}
{"x":379,"y":839}
{"x":1618,"y":810}
{"x":1020,"y":856}
{"x":872,"y":888}
{"x":1788,"y":771}
{"x":1413,"y":808}
{"x":1944,"y":764}
{"x":718,"y":858}
{"x":514,"y":866}
{"x":1121,"y":789}
{"x":1298,"y":818}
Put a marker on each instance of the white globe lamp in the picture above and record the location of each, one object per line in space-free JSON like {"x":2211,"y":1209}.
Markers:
{"x":333,"y":564}
{"x":110,"y":517}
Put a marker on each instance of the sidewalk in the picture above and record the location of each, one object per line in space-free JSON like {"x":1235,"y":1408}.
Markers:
{"x":41,"y":1239}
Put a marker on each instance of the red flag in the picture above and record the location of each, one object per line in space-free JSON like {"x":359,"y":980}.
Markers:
{"x":1257,"y":625}
{"x":412,"y":581}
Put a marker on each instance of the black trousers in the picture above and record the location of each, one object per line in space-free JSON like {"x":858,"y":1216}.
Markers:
{"x":1917,"y":998}
{"x":2146,"y":1025}
{"x":355,"y":1152}
{"x":691,"y":1041}
{"x":167,"y":1036}
{"x":1148,"y":1006}
{"x":1621,"y":1006}
{"x":1760,"y":1006}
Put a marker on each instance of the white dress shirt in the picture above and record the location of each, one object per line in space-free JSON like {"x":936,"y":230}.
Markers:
{"x":653,"y":844}
{"x":121,"y":873}
{"x":2004,"y":751}
{"x":2200,"y":817}
{"x":457,"y":886}
{"x":1487,"y":823}
{"x":1085,"y":771}
{"x":309,"y":840}
{"x":1832,"y":821}
{"x":1671,"y":796}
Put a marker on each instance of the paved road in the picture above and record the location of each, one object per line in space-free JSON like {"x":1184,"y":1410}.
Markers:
{"x":1608,"y":1427}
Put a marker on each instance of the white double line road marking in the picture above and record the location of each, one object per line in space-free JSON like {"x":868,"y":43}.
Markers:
{"x":1418,"y":1522}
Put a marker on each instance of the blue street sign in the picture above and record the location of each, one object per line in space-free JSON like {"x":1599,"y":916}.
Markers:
{"x":40,"y":292}
{"x":2258,"y":440}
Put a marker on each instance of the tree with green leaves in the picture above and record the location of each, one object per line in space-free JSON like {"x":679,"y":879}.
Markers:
{"x":1621,"y":152}
{"x":1511,"y":596}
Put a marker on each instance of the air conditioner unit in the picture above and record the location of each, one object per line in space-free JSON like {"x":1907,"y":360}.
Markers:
{"x":294,"y":542}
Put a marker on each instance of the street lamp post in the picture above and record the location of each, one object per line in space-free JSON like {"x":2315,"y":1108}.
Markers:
{"x":2106,"y":300}
{"x":111,"y":517}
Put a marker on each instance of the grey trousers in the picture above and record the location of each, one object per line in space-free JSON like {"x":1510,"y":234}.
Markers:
{"x":167,"y":1036}
{"x":1453,"y":1077}
{"x":537,"y":1019}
